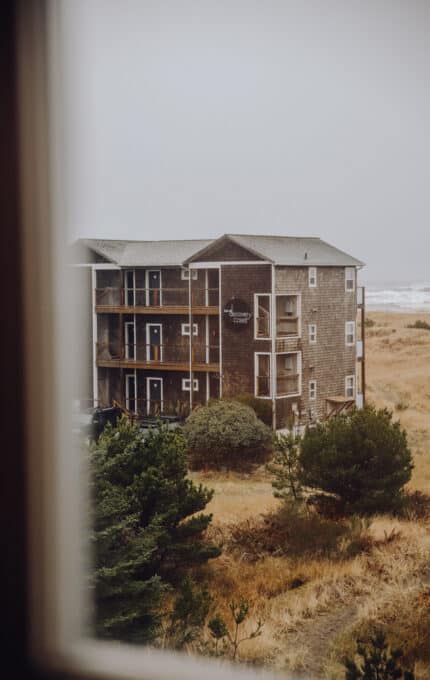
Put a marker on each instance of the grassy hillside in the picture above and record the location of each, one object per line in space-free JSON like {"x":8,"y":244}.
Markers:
{"x":323,"y":585}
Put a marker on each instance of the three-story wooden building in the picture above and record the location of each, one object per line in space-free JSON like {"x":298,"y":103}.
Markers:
{"x":176,"y":323}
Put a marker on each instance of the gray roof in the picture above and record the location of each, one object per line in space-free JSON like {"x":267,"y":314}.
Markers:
{"x":146,"y":253}
{"x":291,"y":250}
{"x":280,"y":250}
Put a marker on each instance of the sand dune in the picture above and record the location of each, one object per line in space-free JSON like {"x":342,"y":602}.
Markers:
{"x":398,"y":377}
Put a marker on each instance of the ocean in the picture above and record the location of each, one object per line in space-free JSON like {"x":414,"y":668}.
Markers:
{"x":398,"y":297}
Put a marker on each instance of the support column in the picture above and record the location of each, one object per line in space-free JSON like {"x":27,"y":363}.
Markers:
{"x":190,"y":321}
{"x":95,"y":337}
{"x":273,"y":366}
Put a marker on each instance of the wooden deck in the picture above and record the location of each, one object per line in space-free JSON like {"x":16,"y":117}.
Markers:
{"x":165,"y":309}
{"x":157,"y":365}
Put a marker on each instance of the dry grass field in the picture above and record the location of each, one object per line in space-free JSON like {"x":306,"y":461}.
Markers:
{"x":314,"y":603}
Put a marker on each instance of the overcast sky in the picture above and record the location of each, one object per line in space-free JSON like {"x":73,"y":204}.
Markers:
{"x":193,"y":119}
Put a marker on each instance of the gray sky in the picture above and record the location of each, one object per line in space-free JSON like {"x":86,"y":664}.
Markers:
{"x":192,"y":119}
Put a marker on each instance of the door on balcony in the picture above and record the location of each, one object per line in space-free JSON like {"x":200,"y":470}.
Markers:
{"x":130,"y":287}
{"x":129,"y":340}
{"x":153,"y":288}
{"x":154,"y":396}
{"x":130,"y":392}
{"x":154,"y":344}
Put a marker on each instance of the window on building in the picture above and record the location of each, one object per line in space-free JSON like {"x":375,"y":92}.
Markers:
{"x":287,"y":316}
{"x":130,"y":287}
{"x":130,"y":340}
{"x":312,"y":390}
{"x":262,"y":316}
{"x":288,"y":369}
{"x":350,"y":386}
{"x":312,"y":277}
{"x":349,"y":278}
{"x":312,"y":333}
{"x":186,"y":385}
{"x":185,"y":274}
{"x":130,"y":393}
{"x":262,"y":375}
{"x":350,"y":333}
{"x":185,"y":329}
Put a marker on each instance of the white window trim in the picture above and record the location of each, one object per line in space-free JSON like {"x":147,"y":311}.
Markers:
{"x":150,"y":379}
{"x":185,"y":274}
{"x":256,"y":355}
{"x":349,"y":324}
{"x":299,"y":371}
{"x":311,"y":271}
{"x":350,"y":270}
{"x":256,"y":296}
{"x":299,"y":315}
{"x":127,"y":288}
{"x":148,"y":348}
{"x":127,"y":325}
{"x":186,"y":384}
{"x":352,"y":379}
{"x":314,"y":333}
{"x":185,"y":329}
{"x":147,"y":273}
{"x":312,"y":390}
{"x":128,"y":377}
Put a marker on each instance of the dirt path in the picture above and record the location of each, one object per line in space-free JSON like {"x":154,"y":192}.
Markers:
{"x":317,"y":635}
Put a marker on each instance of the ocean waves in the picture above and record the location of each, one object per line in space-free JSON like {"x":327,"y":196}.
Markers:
{"x":412,"y":297}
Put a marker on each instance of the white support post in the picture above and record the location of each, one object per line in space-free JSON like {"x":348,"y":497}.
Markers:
{"x":220,"y":333}
{"x":190,"y":321}
{"x":95,"y":336}
{"x":273,"y":362}
{"x":208,"y":389}
{"x":207,"y":340}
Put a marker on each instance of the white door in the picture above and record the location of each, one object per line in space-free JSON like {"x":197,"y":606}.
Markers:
{"x":154,"y":396}
{"x":154,"y":342}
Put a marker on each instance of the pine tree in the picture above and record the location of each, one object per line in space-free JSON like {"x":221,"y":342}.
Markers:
{"x":285,"y":468}
{"x":145,"y":530}
{"x":362,"y":458}
{"x":378,"y":662}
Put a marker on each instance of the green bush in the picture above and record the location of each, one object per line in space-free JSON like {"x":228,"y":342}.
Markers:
{"x":262,"y":407}
{"x":148,"y":527}
{"x":226,"y":434}
{"x":377,"y":662}
{"x":421,"y":325}
{"x":361,"y":459}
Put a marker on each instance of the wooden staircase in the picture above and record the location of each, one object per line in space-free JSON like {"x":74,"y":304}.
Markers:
{"x":338,"y":405}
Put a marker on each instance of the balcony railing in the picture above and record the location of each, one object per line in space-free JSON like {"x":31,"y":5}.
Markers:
{"x":142,"y":408}
{"x":263,"y":385}
{"x":157,"y":354}
{"x":287,"y":326}
{"x":156,"y":297}
{"x":262,"y":326}
{"x":287,"y":384}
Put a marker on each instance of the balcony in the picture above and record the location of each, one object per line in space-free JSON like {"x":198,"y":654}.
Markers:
{"x":155,"y":357}
{"x":263,"y":386}
{"x":287,"y":316}
{"x":143,"y":410}
{"x":156,"y":300}
{"x":287,"y":385}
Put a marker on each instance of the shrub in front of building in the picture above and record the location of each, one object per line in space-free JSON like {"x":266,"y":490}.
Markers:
{"x":361,"y":460}
{"x":262,"y":407}
{"x":146,"y":534}
{"x":226,"y":434}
